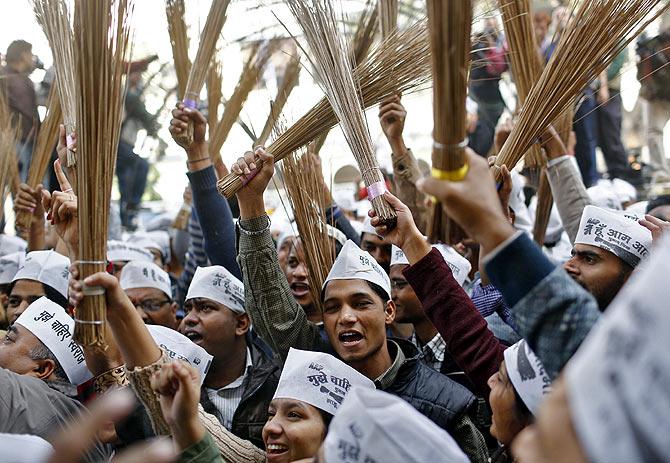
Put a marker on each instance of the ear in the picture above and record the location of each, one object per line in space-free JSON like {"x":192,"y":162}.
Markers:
{"x":243,"y":324}
{"x":389,"y":312}
{"x":43,"y":369}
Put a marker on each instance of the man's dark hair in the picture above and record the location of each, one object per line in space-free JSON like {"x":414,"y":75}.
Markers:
{"x":379,"y":291}
{"x":52,"y":294}
{"x":42,"y":352}
{"x":16,"y":49}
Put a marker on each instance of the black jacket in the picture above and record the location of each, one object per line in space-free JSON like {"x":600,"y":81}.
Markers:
{"x":436,"y":396}
{"x":259,"y":388}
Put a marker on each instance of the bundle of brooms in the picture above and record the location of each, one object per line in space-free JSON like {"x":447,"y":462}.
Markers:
{"x":102,"y":45}
{"x":361,"y":43}
{"x":288,"y":83}
{"x":251,"y":72}
{"x":203,"y":58}
{"x":527,"y":68}
{"x":598,"y":31}
{"x":330,"y":58}
{"x":178,"y":32}
{"x":405,"y":56}
{"x":9,"y":135}
{"x":449,"y":23}
{"x":388,"y":17}
{"x":44,"y":146}
{"x":54,"y":18}
{"x":308,"y":199}
{"x":214,"y":93}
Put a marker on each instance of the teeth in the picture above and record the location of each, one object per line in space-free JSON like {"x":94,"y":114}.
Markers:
{"x":277,"y":447}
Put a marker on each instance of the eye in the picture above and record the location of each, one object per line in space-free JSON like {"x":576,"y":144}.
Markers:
{"x":294,"y":415}
{"x":330,"y":308}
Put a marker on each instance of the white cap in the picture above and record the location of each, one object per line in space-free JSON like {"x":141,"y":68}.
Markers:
{"x":336,"y":234}
{"x":527,"y":375}
{"x":368,"y":228}
{"x":355,"y":264}
{"x":459,"y":265}
{"x":118,"y":251}
{"x":24,"y":448}
{"x":11,"y":243}
{"x":138,"y":274}
{"x":219,"y":285}
{"x":179,"y":347}
{"x":9,"y":265}
{"x":639,"y":207}
{"x":603,"y":195}
{"x":620,"y":235}
{"x":517,"y":201}
{"x":617,"y":382}
{"x":54,"y":327}
{"x":158,"y":239}
{"x":624,"y":190}
{"x":319,"y":379}
{"x":372,"y":425}
{"x":47,"y":267}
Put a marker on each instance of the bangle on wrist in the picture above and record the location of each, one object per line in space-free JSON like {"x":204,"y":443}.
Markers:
{"x":193,"y":161}
{"x":256,"y":232}
{"x":114,"y":378}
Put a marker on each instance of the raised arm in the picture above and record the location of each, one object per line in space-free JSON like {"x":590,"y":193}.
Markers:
{"x":275,"y":314}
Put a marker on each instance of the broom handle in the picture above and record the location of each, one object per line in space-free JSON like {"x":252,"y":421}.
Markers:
{"x":191,"y":102}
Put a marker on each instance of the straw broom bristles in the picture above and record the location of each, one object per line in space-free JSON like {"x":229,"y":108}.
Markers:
{"x":196,"y":77}
{"x":54,"y":18}
{"x":545,"y":201}
{"x":9,"y":135}
{"x":44,"y":146}
{"x":307,"y":199}
{"x":596,"y":34}
{"x":388,"y":16}
{"x":214,"y":94}
{"x":102,"y":44}
{"x":449,"y":24}
{"x":178,"y":31}
{"x":251,"y":72}
{"x":361,"y":43}
{"x":329,"y":55}
{"x":288,"y":83}
{"x":405,"y":55}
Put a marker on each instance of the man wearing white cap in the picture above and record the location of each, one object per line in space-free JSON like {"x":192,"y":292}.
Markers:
{"x":9,"y":265}
{"x":607,"y":249}
{"x":375,"y":426}
{"x":120,"y":253}
{"x":148,"y":287}
{"x":243,"y":376}
{"x":156,"y":242}
{"x":10,"y":244}
{"x":357,"y":309}
{"x":43,"y":273}
{"x":375,"y":245}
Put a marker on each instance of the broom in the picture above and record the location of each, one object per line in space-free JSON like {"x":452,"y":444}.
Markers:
{"x":361,"y":43}
{"x":9,"y":135}
{"x":388,"y":17}
{"x":196,"y":77}
{"x":54,"y":18}
{"x":175,"y":10}
{"x":288,"y":83}
{"x":329,"y":55}
{"x":597,"y":33}
{"x":449,"y":24}
{"x":44,"y":146}
{"x":405,"y":55}
{"x":214,"y":96}
{"x":102,"y":43}
{"x":251,"y":72}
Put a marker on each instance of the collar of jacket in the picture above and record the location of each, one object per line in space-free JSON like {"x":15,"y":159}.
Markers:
{"x":403,"y":352}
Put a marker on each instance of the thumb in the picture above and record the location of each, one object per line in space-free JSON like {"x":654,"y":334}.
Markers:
{"x":104,"y":280}
{"x":62,"y":138}
{"x":393,"y":201}
{"x":60,"y":175}
{"x":186,"y":376}
{"x":432,"y":186}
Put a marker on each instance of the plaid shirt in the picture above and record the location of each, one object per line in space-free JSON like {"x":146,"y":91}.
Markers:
{"x":433,"y":351}
{"x":488,"y":300}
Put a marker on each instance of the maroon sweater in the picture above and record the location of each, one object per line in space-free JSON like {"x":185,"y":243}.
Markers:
{"x":466,"y":334}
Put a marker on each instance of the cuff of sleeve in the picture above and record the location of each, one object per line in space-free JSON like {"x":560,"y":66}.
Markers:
{"x":202,"y":179}
{"x":516,"y":267}
{"x":205,"y":450}
{"x":256,"y":241}
{"x":556,"y":161}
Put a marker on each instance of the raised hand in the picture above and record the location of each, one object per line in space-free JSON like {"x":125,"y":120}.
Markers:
{"x":656,"y":226}
{"x":255,"y":175}
{"x":392,"y":115}
{"x":181,"y":116}
{"x":30,"y":200}
{"x":62,"y":212}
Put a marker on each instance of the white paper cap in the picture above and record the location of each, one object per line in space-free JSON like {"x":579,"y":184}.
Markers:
{"x":218,"y":284}
{"x":157,"y":239}
{"x":9,"y":265}
{"x":336,"y":234}
{"x":319,"y":379}
{"x":372,"y":425}
{"x":618,"y":381}
{"x":459,"y":265}
{"x":179,"y":347}
{"x":368,"y":228}
{"x":517,"y":201}
{"x":614,"y":232}
{"x":355,"y":264}
{"x":603,"y":195}
{"x":10,"y":244}
{"x":54,"y":327}
{"x":118,"y":251}
{"x":24,"y":448}
{"x":138,"y":274}
{"x":47,"y":267}
{"x":527,"y":375}
{"x":624,"y":190}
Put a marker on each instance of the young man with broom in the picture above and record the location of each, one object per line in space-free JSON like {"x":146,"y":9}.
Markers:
{"x":357,"y":310}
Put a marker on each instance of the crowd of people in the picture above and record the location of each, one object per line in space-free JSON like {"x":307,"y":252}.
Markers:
{"x":218,"y":349}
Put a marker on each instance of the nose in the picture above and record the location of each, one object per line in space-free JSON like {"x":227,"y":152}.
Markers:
{"x":300,"y":271}
{"x":142,"y":313}
{"x":571,"y":267}
{"x":347,"y":315}
{"x":273,"y":427}
{"x":190,"y":319}
{"x":491,"y":380}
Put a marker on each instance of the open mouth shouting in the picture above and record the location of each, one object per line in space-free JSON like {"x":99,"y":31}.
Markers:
{"x":194,"y":336}
{"x":300,"y":290}
{"x":350,"y":338}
